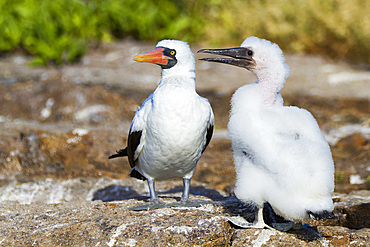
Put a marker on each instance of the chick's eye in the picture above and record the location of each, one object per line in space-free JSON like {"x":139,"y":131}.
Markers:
{"x":173,"y":52}
{"x":250,"y":53}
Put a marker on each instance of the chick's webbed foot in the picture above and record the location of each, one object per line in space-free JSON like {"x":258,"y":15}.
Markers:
{"x":243,"y":223}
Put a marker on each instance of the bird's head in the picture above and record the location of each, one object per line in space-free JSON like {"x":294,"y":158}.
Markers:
{"x":254,"y":54}
{"x":171,"y":55}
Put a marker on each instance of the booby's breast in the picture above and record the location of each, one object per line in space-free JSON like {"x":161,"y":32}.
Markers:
{"x":175,"y":133}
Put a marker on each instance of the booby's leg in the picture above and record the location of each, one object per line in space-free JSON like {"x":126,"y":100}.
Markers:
{"x":154,"y":200}
{"x":286,"y":226}
{"x":259,"y":222}
{"x":185,"y":194}
{"x":185,"y":202}
{"x":243,"y":223}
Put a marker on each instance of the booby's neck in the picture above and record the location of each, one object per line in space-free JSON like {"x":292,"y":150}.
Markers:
{"x":270,"y":82}
{"x":187,"y":72}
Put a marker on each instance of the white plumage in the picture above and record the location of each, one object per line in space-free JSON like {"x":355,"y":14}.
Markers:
{"x":174,"y":124}
{"x":280,"y":154}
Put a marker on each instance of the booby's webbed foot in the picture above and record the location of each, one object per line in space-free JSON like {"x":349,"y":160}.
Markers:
{"x":153,"y":204}
{"x":187,"y":203}
{"x":243,"y":223}
{"x":321,"y":215}
{"x":284,"y":227}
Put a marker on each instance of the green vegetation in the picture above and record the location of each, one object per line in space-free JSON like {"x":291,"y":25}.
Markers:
{"x":367,"y":182}
{"x":60,"y":31}
{"x":339,"y":177}
{"x":335,"y":28}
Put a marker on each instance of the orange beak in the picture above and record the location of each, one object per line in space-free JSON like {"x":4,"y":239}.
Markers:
{"x":154,"y":56}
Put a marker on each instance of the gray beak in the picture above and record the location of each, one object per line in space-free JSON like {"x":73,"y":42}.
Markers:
{"x":238,"y":57}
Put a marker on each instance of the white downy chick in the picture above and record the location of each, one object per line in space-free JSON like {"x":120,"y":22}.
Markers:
{"x":280,"y":154}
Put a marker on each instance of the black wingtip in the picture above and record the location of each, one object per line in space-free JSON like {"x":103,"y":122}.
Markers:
{"x":135,"y":174}
{"x":321,"y":215}
{"x":120,"y":153}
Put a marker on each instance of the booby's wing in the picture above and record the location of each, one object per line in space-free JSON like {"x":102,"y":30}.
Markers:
{"x":302,"y":140}
{"x":137,"y":133}
{"x":278,"y":140}
{"x":210,"y":128}
{"x":132,"y":144}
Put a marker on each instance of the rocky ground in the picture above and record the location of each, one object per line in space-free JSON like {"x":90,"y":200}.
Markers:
{"x":91,"y":212}
{"x":58,"y":125}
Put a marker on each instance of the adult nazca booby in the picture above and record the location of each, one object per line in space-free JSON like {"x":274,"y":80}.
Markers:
{"x":173,"y":126}
{"x":280,"y":154}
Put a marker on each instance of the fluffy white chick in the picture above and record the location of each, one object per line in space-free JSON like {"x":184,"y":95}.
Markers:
{"x":280,"y":155}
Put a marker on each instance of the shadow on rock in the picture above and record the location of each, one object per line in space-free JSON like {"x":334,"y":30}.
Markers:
{"x":234,"y":207}
{"x":120,"y":193}
{"x":116,"y":193}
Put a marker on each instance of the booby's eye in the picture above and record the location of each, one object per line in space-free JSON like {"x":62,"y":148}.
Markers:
{"x":250,"y":53}
{"x":172,"y":52}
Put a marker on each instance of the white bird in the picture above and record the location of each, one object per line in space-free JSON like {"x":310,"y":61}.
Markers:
{"x":173,"y":126}
{"x":280,"y":155}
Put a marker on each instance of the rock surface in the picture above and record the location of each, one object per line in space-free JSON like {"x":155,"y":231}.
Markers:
{"x":82,"y":212}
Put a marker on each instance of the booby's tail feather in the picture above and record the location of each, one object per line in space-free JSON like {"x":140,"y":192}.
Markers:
{"x":120,"y":153}
{"x":321,"y":215}
{"x":134,"y":173}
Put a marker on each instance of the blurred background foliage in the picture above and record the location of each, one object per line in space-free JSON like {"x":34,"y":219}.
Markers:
{"x":60,"y":31}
